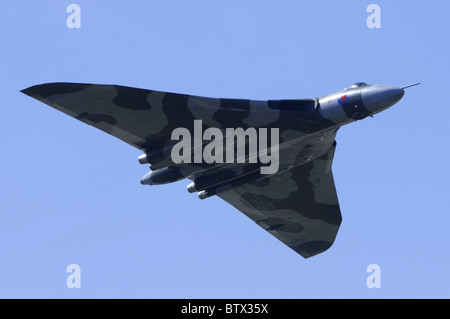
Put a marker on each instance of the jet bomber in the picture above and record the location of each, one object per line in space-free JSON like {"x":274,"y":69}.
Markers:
{"x":270,"y":159}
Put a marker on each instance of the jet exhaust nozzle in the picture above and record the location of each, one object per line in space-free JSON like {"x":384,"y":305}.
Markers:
{"x":162,"y":176}
{"x":239,"y":180}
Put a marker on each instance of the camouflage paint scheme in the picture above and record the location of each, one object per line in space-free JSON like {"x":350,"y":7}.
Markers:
{"x":298,"y":205}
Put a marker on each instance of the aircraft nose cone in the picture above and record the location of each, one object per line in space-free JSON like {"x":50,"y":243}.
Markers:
{"x":381,"y":97}
{"x":393,"y":95}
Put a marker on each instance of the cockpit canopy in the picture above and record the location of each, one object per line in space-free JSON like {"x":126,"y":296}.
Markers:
{"x":356,"y":85}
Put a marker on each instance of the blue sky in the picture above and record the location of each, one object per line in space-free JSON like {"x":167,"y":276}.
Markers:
{"x":70,"y":194}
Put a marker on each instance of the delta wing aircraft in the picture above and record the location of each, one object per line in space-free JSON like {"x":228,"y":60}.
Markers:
{"x":297,"y":202}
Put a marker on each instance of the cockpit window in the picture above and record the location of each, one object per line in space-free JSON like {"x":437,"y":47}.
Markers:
{"x":356,"y":85}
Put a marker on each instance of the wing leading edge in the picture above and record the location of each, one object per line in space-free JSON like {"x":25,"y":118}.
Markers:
{"x":142,"y":118}
{"x":299,"y":206}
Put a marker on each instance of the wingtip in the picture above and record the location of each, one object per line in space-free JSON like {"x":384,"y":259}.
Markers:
{"x":27,"y":91}
{"x":33,"y":91}
{"x":45,"y":90}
